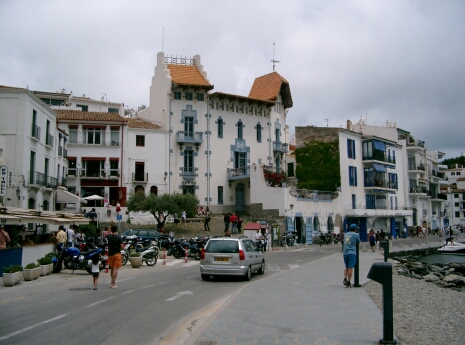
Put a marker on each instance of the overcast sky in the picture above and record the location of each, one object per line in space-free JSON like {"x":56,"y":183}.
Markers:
{"x":401,"y":61}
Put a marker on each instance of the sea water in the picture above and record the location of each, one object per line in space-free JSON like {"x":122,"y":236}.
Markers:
{"x":442,"y":258}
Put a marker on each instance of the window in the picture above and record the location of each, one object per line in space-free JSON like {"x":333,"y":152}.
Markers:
{"x":177,"y":95}
{"x":456,"y":204}
{"x":114,"y":167}
{"x":114,"y":137}
{"x":72,"y":167}
{"x":290,"y":170}
{"x":32,"y":167}
{"x":354,"y":201}
{"x":188,"y":190}
{"x":220,"y":128}
{"x":240,"y":126}
{"x":139,"y":172}
{"x":73,"y":135}
{"x":452,"y":173}
{"x":140,"y":140}
{"x":200,"y":96}
{"x":458,"y":173}
{"x":259,"y":133}
{"x":240,"y":158}
{"x":352,"y":176}
{"x":113,"y":110}
{"x":457,"y":214}
{"x":189,"y":96}
{"x":35,"y":129}
{"x":367,"y":148}
{"x":94,"y":136}
{"x":277,"y":133}
{"x":392,"y":179}
{"x":351,"y":148}
{"x":83,"y":107}
{"x":370,"y":201}
{"x":189,"y":127}
{"x":220,"y":195}
{"x":456,"y":196}
{"x":188,"y":162}
{"x":154,"y":190}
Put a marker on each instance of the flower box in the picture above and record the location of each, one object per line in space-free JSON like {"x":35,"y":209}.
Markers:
{"x":31,"y":274}
{"x":10,"y":279}
{"x":136,"y":261}
{"x":46,"y":269}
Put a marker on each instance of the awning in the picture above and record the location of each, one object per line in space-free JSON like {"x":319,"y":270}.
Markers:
{"x":379,"y":167}
{"x":64,"y":197}
{"x":8,"y":220}
{"x":379,"y":145}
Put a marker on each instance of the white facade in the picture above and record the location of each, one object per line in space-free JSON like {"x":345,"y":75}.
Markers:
{"x":29,"y":146}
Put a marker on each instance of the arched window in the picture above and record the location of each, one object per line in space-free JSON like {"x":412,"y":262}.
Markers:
{"x":31,"y":203}
{"x":139,"y":188}
{"x":45,"y":205}
{"x":154,"y":190}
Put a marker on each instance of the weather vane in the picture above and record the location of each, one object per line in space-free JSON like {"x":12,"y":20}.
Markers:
{"x":274,"y":61}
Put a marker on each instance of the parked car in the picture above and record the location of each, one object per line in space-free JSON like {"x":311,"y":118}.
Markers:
{"x":144,"y":234}
{"x":228,"y":256}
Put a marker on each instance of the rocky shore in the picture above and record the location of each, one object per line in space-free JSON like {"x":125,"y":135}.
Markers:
{"x":424,"y":312}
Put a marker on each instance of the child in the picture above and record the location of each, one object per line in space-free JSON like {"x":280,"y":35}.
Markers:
{"x":95,"y":269}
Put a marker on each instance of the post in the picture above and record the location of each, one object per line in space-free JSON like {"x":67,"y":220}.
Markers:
{"x":185,"y":255}
{"x":357,"y":266}
{"x":385,"y":245}
{"x":381,"y":272}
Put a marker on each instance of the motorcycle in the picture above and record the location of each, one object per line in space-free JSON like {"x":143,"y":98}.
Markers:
{"x":74,"y":259}
{"x":181,"y":245}
{"x":149,"y":254}
{"x":147,"y":249}
{"x":261,"y":245}
{"x":325,"y":238}
{"x":288,"y":239}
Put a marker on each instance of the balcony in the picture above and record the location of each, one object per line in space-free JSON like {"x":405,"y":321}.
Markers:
{"x":92,"y":174}
{"x":413,"y":144}
{"x":379,"y":156}
{"x":85,"y":142}
{"x":64,"y":182}
{"x":35,"y":132}
{"x":36,"y":178}
{"x":379,"y":184}
{"x":413,"y":166}
{"x":377,"y":211}
{"x":53,"y":183}
{"x":60,"y":150}
{"x":183,"y":137}
{"x":65,"y":153}
{"x":188,"y":178}
{"x":238,"y":173}
{"x":73,"y":172}
{"x":418,"y":190}
{"x":280,"y":147}
{"x":140,"y":177}
{"x":49,"y":140}
{"x":114,"y":174}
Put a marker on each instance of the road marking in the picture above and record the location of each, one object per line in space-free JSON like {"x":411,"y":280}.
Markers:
{"x":174,"y":262}
{"x":292,"y":266}
{"x":179,"y":294}
{"x":148,"y":286}
{"x":273,"y":267}
{"x":195,"y":275}
{"x":31,"y":327}
{"x":102,"y":301}
{"x":129,"y":291}
{"x":192,"y":263}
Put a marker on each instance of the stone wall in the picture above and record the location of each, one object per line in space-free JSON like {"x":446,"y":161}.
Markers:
{"x":321,"y":134}
{"x":257,"y":212}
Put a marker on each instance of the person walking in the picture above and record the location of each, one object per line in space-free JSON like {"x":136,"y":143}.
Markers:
{"x":4,"y":238}
{"x":61,"y":235}
{"x":70,"y":236}
{"x":206,"y":223}
{"x":95,"y":268}
{"x":233,"y":219}
{"x":351,"y":241}
{"x":109,"y":207}
{"x":183,"y":217}
{"x":372,"y":239}
{"x":226,"y":222}
{"x":404,"y":230}
{"x":115,"y":244}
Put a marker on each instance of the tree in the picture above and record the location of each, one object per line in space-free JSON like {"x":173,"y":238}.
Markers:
{"x":166,"y":204}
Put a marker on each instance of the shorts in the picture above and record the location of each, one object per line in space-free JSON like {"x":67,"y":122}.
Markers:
{"x":95,"y":274}
{"x":372,"y":243}
{"x":350,"y":260}
{"x":115,"y":260}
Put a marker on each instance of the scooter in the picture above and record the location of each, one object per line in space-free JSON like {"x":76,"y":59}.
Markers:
{"x":287,"y":239}
{"x":74,"y":259}
{"x":181,"y":245}
{"x":149,"y":254}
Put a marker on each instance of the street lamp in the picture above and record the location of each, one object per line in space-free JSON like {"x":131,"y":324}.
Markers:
{"x":18,"y":193}
{"x":166,"y":174}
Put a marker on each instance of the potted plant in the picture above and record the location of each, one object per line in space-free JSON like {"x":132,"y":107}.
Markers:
{"x":46,"y":265}
{"x":135,"y":259}
{"x":31,"y":271}
{"x":12,"y":275}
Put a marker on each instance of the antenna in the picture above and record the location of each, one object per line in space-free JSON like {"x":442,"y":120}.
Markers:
{"x":274,"y":61}
{"x":163,"y":40}
{"x":106,"y":99}
{"x":326,"y":122}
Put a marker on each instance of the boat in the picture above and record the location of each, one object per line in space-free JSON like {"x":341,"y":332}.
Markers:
{"x":452,"y":248}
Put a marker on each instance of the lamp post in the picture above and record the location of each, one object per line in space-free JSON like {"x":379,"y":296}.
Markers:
{"x":18,"y":193}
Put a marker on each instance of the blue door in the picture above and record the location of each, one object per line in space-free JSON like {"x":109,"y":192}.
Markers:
{"x":290,"y":224}
{"x":393,"y":228}
{"x":309,"y":230}
{"x":240,"y":197}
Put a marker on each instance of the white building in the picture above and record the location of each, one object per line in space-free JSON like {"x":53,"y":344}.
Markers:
{"x":215,"y":138}
{"x":454,"y":210}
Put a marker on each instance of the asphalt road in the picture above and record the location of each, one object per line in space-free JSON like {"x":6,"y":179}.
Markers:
{"x":152,"y":305}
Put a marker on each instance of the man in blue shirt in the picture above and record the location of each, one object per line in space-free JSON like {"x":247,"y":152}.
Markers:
{"x":351,"y":241}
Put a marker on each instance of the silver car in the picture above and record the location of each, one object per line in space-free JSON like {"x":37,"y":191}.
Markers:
{"x":229,"y":256}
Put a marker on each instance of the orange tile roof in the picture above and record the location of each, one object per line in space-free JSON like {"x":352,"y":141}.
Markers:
{"x":88,"y":116}
{"x":188,"y":75}
{"x":11,"y":87}
{"x":140,"y":123}
{"x":270,"y":86}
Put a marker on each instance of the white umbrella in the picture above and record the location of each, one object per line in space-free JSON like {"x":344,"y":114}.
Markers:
{"x":94,"y":197}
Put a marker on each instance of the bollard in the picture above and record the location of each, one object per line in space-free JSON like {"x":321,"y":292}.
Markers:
{"x":106,"y":262}
{"x":356,"y":270}
{"x":164,"y":256}
{"x":185,"y":255}
{"x":381,"y":272}
{"x":385,"y":245}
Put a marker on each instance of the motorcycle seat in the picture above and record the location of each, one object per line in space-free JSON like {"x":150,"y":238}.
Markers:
{"x":140,"y":250}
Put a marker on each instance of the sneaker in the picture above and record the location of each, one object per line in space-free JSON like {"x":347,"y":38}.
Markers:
{"x":349,"y":285}
{"x":95,"y":288}
{"x":346,"y":283}
{"x":345,"y":279}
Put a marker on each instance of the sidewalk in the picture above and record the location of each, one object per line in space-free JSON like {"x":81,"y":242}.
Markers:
{"x":305,"y":305}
